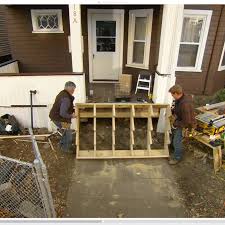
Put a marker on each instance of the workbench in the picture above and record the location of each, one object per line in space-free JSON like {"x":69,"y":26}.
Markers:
{"x":204,"y":139}
{"x":217,"y":151}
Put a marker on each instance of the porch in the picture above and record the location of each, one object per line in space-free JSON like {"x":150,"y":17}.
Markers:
{"x":101,"y":92}
{"x":107,"y":42}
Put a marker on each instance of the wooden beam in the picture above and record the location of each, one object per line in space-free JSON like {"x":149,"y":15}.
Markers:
{"x":214,"y":106}
{"x":113,"y":129}
{"x":77,"y":131}
{"x":123,"y":154}
{"x":118,"y":105}
{"x":95,"y":137}
{"x":217,"y":158}
{"x":149,"y":129}
{"x":132,"y":128}
{"x":24,"y":136}
{"x":41,"y":142}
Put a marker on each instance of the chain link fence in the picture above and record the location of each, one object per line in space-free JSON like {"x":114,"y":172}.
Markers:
{"x":24,"y":187}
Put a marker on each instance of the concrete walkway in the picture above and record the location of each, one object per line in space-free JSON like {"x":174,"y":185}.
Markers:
{"x":123,"y":188}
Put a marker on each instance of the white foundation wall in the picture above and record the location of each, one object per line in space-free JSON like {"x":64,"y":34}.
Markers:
{"x":15,"y":90}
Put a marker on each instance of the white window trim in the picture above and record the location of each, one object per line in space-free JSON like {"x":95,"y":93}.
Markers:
{"x":203,"y":38}
{"x":221,"y":68}
{"x":36,"y":12}
{"x":131,"y":29}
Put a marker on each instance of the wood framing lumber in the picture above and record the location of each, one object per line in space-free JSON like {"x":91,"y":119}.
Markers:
{"x":217,"y":158}
{"x":214,"y":106}
{"x":122,"y":154}
{"x":217,"y":152}
{"x":104,"y":110}
{"x":24,"y":136}
{"x":113,"y":129}
{"x":121,"y":110}
{"x":52,"y":147}
{"x":77,"y":131}
{"x":95,"y":136}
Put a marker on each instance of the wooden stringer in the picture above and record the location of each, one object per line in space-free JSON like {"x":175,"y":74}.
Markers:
{"x":122,"y":110}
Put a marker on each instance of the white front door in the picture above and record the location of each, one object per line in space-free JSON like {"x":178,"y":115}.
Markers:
{"x":105,"y":39}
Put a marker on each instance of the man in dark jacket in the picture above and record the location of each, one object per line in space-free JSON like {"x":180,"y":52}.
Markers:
{"x":184,"y":119}
{"x":61,"y":114}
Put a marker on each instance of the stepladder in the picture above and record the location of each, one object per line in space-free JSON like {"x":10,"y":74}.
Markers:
{"x":115,"y":112}
{"x":144,"y":83}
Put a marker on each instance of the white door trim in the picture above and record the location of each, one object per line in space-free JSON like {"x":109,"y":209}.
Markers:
{"x":90,"y":54}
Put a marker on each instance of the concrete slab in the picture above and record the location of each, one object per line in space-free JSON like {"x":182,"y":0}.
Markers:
{"x":123,"y":188}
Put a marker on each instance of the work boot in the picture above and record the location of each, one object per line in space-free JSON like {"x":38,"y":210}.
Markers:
{"x":173,"y":161}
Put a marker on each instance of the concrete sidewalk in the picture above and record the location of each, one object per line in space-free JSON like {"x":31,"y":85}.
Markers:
{"x":123,"y":188}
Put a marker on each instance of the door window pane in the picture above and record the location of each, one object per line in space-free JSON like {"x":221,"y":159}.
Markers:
{"x":138,"y":52}
{"x":223,"y":61}
{"x":140,"y":28}
{"x":106,"y":44}
{"x":191,"y":30}
{"x":187,"y":55}
{"x":106,"y":28}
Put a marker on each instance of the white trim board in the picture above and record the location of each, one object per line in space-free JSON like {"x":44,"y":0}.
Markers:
{"x":203,"y":37}
{"x":103,"y":11}
{"x":222,"y":67}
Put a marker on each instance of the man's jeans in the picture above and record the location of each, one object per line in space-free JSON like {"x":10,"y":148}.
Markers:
{"x":177,"y":143}
{"x":67,"y":138}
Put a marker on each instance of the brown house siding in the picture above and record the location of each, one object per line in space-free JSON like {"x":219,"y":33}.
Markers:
{"x":4,"y":42}
{"x":155,"y":37}
{"x":192,"y":82}
{"x":216,"y":79}
{"x":38,"y":52}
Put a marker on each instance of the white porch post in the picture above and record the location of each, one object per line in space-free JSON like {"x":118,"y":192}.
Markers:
{"x":76,"y":39}
{"x":168,"y":52}
{"x":76,"y":46}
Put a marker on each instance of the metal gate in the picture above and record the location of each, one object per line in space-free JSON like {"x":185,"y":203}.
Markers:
{"x":24,"y":187}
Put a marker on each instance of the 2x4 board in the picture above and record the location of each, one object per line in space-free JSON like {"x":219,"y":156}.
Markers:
{"x":127,"y":111}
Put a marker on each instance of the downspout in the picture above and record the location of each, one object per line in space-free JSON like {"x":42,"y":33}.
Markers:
{"x":214,"y":43}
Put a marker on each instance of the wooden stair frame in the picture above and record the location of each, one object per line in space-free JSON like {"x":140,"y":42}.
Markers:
{"x":122,"y":110}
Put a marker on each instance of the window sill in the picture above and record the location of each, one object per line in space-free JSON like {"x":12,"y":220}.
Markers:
{"x":47,"y":32}
{"x":137,"y":66}
{"x":188,"y":70}
{"x":222,"y":68}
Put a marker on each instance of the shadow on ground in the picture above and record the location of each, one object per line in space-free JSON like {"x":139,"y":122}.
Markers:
{"x":123,"y":188}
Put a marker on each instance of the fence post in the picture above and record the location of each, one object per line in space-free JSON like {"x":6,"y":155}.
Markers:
{"x":45,"y":195}
{"x":48,"y":191}
{"x":42,"y":177}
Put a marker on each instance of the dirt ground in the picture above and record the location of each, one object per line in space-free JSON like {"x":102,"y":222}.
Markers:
{"x":202,"y":193}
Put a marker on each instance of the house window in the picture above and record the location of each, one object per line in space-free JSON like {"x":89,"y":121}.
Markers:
{"x":47,"y":21}
{"x":222,"y":60}
{"x":193,"y":39}
{"x":139,"y":38}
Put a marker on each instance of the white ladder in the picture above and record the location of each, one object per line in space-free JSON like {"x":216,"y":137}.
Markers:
{"x":143,"y":83}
